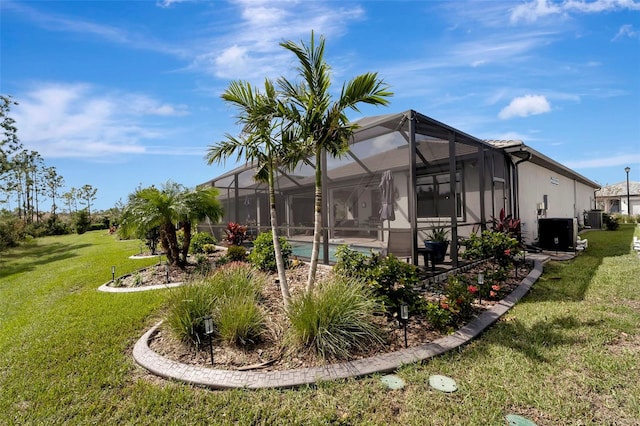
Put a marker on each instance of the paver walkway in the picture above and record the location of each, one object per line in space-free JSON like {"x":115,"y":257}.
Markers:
{"x":224,"y":379}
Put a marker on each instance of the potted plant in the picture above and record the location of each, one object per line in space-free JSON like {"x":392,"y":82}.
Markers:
{"x":437,"y":242}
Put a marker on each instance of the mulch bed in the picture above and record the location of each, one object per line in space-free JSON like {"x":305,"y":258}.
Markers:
{"x":272,"y":353}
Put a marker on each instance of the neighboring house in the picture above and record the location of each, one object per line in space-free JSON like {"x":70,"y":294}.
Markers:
{"x":613,"y":198}
{"x":433,"y":175}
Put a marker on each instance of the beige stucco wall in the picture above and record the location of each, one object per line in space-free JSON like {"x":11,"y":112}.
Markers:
{"x":566,"y":197}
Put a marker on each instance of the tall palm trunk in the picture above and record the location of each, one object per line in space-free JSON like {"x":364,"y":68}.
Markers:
{"x":317,"y":225}
{"x":186,"y":242}
{"x":170,"y":243}
{"x":282,"y":276}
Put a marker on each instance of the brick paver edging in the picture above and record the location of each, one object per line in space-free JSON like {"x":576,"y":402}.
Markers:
{"x":109,"y":289}
{"x":226,"y":379}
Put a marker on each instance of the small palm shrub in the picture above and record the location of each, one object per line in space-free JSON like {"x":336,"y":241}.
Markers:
{"x":336,"y":320}
{"x":392,"y":280}
{"x":263,"y":255}
{"x":199,"y":240}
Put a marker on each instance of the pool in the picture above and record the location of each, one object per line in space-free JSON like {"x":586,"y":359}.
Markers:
{"x":303,"y":249}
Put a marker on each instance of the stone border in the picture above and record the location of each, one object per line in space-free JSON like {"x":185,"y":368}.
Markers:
{"x":383,"y":363}
{"x":109,"y":289}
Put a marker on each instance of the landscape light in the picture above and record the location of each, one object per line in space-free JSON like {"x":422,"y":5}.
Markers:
{"x":113,"y":273}
{"x":208,"y":330}
{"x":166,"y":269}
{"x":404,"y":316}
{"x":480,"y":284}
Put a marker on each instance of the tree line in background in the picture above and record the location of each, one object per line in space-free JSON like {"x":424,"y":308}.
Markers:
{"x":26,"y":182}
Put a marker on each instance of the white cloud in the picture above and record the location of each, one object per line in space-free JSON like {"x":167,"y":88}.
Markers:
{"x":525,"y":106}
{"x":535,"y":9}
{"x":251,"y":50}
{"x":626,"y":31}
{"x":169,"y":3}
{"x":616,"y":160}
{"x":74,"y":120}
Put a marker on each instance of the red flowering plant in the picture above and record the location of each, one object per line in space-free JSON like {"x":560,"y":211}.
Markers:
{"x":458,"y":297}
{"x":236,"y":234}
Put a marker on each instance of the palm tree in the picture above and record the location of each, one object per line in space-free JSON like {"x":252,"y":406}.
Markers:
{"x":152,"y":207}
{"x":321,"y":121}
{"x":264,"y":141}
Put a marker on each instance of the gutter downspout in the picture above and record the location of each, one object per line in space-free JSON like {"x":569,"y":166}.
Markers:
{"x":515,"y":166}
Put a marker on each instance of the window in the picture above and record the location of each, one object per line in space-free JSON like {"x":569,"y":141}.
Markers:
{"x":434,"y":196}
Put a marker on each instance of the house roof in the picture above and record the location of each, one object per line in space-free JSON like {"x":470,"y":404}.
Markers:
{"x":518,"y":149}
{"x":433,"y":130}
{"x":619,"y":189}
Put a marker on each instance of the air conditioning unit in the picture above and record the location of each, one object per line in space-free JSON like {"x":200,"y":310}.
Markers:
{"x":557,"y":233}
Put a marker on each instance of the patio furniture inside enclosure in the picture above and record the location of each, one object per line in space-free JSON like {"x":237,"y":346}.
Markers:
{"x":402,"y":171}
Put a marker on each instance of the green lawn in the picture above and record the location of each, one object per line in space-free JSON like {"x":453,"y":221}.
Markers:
{"x":568,"y":353}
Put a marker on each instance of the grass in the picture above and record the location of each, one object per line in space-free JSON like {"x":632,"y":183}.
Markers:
{"x":566,"y":354}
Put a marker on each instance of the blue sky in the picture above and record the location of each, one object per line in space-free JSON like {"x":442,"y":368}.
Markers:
{"x":117,"y":94}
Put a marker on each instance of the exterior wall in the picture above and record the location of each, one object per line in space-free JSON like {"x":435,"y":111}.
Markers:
{"x":566,"y":197}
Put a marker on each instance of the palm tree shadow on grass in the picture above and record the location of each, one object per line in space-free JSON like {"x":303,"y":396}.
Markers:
{"x":570,"y":280}
{"x":40,"y":255}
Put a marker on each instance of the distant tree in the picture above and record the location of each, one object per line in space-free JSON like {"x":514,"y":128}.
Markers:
{"x":69,"y":198}
{"x":54,"y":182}
{"x":87,"y":194}
{"x":9,"y":143}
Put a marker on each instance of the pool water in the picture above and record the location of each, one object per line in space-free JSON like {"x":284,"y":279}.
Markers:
{"x":302,"y":249}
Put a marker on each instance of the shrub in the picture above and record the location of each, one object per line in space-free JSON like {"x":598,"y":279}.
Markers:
{"x":203,"y":266}
{"x":209,"y":248}
{"x":35,"y":229}
{"x":81,"y":222}
{"x":240,"y":321}
{"x":498,"y":245}
{"x":236,"y":253}
{"x":458,"y":296}
{"x":236,"y":234}
{"x":199,"y":240}
{"x":391,"y":279}
{"x":11,"y":230}
{"x":57,"y":227}
{"x":263,"y":255}
{"x":237,"y":278}
{"x":438,"y":317}
{"x":336,"y":320}
{"x":230,"y":296}
{"x":237,"y":288}
{"x":186,"y":308}
{"x":611,"y":222}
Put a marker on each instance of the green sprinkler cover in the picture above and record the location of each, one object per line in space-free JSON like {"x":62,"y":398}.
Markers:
{"x":516,"y":420}
{"x":392,"y":381}
{"x":443,"y":383}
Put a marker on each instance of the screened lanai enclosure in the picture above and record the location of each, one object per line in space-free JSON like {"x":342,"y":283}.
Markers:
{"x":403,"y":175}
